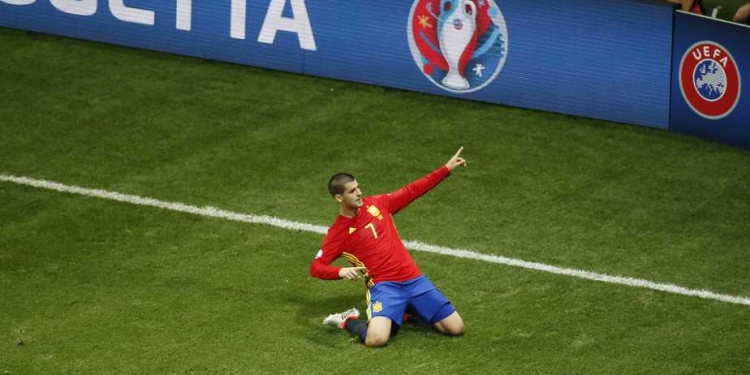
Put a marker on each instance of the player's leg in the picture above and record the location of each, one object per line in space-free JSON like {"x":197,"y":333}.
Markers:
{"x":451,"y":325}
{"x":356,"y":327}
{"x":378,"y":331}
{"x":430,"y":305}
{"x":349,"y":321}
{"x":386,"y":303}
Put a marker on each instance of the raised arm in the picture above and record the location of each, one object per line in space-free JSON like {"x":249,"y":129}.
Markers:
{"x":401,"y":198}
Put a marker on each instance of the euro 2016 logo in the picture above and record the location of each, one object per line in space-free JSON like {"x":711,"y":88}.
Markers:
{"x":459,"y":45}
{"x":709,"y":80}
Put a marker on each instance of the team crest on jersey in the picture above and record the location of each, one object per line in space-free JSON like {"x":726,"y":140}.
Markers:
{"x":377,"y":307}
{"x":710,"y":80}
{"x":375,"y":212}
{"x":459,"y":45}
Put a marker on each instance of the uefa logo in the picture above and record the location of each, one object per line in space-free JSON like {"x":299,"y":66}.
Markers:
{"x":710,"y":80}
{"x":459,"y":45}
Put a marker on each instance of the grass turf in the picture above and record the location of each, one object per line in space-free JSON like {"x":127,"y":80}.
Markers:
{"x":98,"y":287}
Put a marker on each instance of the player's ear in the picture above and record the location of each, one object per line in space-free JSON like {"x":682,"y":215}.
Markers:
{"x":339,"y":198}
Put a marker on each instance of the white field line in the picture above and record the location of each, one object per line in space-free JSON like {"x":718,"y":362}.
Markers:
{"x":414,"y":245}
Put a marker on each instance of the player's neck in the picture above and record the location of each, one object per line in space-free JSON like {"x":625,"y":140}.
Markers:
{"x":348,"y":212}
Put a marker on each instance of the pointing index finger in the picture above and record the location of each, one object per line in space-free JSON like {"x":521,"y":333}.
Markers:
{"x":458,"y":153}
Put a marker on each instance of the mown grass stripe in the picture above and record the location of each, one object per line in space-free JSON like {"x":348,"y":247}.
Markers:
{"x":214,"y":212}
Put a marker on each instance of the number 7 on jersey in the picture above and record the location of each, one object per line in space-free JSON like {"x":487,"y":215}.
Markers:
{"x":372,"y":228}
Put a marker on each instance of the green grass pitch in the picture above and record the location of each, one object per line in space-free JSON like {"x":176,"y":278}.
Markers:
{"x":90,"y":286}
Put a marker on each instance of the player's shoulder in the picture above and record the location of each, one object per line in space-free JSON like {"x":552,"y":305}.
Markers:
{"x":338,"y":225}
{"x":379,"y":202}
{"x":375,"y":200}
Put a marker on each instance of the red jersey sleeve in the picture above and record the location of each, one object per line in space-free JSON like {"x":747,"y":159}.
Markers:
{"x":330,"y":251}
{"x":401,"y":198}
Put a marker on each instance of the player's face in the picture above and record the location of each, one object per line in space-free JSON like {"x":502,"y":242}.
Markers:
{"x":352,"y":196}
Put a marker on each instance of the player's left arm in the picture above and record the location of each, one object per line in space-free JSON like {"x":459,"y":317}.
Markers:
{"x":401,"y":198}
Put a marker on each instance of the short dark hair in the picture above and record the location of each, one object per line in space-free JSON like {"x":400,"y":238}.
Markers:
{"x":336,"y":183}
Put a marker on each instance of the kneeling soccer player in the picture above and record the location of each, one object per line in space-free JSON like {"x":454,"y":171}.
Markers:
{"x":364,"y":235}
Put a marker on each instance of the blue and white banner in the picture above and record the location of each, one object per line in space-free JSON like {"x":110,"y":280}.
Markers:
{"x":233,"y":31}
{"x":607,"y":60}
{"x":711,"y":59}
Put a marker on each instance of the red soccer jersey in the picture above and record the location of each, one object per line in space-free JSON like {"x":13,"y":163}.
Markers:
{"x":370,"y":239}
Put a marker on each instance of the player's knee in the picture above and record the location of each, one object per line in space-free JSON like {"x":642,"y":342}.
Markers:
{"x":378,"y":332}
{"x":456,"y":329}
{"x":453,"y":325}
{"x":376,"y":341}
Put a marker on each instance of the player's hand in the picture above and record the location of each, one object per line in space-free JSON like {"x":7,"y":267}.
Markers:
{"x":456,"y":160}
{"x":352,"y":273}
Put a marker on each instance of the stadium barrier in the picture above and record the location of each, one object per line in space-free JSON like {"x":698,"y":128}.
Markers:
{"x":710,"y":59}
{"x":607,"y":60}
{"x":616,"y":60}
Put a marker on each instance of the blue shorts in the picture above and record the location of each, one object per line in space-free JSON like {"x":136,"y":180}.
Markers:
{"x":391,"y":299}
